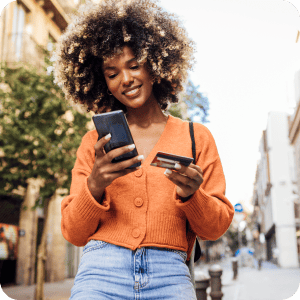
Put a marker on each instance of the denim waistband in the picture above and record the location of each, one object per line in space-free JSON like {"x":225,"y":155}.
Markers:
{"x":108,"y":271}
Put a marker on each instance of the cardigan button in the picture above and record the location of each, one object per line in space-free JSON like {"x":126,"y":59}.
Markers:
{"x":138,"y":202}
{"x":138,"y":173}
{"x":136,"y":233}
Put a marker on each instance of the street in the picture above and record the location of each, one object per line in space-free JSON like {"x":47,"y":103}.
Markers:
{"x":269,"y":283}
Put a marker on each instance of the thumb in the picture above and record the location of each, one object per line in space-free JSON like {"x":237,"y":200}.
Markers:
{"x":99,"y":146}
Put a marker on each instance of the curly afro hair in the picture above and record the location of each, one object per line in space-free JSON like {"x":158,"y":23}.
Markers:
{"x":101,"y":30}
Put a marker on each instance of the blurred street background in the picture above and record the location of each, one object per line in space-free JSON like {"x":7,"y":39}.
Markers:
{"x":248,"y":67}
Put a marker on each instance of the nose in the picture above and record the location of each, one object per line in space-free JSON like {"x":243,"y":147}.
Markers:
{"x":127,"y":78}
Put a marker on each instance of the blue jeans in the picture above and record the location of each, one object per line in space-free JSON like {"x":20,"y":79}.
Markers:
{"x":108,"y":271}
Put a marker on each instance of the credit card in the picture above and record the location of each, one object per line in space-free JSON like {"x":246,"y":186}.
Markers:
{"x":168,"y":160}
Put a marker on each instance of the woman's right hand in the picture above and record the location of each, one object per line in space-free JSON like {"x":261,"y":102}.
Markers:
{"x":104,"y":172}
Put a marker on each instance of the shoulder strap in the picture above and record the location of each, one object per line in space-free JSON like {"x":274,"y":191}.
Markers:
{"x":193,"y":140}
{"x":197,"y":248}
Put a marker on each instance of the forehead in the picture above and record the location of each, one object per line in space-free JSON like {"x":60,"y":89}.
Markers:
{"x":124,"y":54}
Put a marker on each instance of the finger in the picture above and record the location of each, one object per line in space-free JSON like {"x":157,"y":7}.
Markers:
{"x":197,"y":168}
{"x":191,"y":165}
{"x":100,"y":145}
{"x":119,"y":151}
{"x":120,"y":166}
{"x":191,"y":171}
{"x":178,"y":179}
{"x":183,"y":190}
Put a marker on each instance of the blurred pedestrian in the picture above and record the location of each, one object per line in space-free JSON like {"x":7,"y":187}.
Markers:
{"x":134,"y":56}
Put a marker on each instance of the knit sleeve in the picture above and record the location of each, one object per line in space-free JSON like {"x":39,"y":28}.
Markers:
{"x":208,"y":211}
{"x":81,"y":213}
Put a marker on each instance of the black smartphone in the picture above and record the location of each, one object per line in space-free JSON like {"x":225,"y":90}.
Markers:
{"x":115,"y":123}
{"x":168,"y":160}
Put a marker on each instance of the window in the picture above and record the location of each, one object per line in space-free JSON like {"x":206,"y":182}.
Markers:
{"x":18,"y":29}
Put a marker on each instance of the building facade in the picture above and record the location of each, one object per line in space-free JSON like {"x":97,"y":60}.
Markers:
{"x":27,"y":27}
{"x":294,"y":137}
{"x":273,"y":196}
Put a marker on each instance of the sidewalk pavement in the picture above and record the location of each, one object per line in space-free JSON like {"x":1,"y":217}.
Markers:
{"x":269,"y":283}
{"x":60,"y":290}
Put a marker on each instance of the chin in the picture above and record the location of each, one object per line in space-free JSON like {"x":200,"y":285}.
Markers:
{"x":136,"y":105}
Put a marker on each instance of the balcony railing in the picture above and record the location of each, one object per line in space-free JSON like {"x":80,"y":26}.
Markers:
{"x":68,"y":5}
{"x":21,"y":48}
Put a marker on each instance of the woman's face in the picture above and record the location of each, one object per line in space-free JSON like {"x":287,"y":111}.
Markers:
{"x":128,"y":81}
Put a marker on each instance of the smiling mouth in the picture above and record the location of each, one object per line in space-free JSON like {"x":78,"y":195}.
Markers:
{"x":132,"y":92}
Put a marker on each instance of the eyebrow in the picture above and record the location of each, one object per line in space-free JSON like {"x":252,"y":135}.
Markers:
{"x":113,"y":68}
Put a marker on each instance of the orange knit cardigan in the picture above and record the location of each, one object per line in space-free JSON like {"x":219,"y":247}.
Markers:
{"x":142,"y":208}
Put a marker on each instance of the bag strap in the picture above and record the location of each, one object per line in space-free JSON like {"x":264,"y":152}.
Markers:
{"x":193,"y":140}
{"x":191,"y":262}
{"x":197,"y":248}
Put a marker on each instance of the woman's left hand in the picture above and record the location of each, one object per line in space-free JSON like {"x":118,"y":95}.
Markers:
{"x":188,"y":179}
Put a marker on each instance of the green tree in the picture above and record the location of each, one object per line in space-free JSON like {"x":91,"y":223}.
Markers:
{"x":192,"y":104}
{"x":39,"y":136}
{"x":40,"y":131}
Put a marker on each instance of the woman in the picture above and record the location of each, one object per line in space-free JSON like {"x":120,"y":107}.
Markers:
{"x":132,"y":55}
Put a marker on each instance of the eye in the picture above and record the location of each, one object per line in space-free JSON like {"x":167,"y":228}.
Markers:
{"x":135,"y":67}
{"x":112,"y":76}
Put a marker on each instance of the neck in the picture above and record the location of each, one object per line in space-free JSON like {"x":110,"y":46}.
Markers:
{"x":146,"y":115}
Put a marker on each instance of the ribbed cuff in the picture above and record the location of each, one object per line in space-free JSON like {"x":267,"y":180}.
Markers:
{"x":88,"y":207}
{"x":194,"y":204}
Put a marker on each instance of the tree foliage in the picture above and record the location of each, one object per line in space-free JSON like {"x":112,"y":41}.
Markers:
{"x":195,"y":106}
{"x":39,"y":131}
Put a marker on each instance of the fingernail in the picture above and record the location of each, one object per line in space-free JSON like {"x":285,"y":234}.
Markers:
{"x":107,"y":137}
{"x":140,"y":157}
{"x":168,"y":172}
{"x":130,"y":147}
{"x":177,"y":166}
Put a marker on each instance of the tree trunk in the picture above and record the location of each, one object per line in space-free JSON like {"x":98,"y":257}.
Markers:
{"x":42,"y":257}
